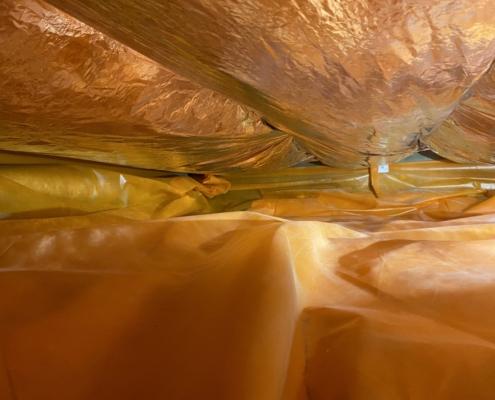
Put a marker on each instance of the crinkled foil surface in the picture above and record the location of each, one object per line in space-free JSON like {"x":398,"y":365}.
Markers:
{"x":469,"y":133}
{"x":69,"y":90}
{"x":355,"y":80}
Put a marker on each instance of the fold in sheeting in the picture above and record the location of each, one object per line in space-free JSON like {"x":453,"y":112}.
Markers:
{"x":356,"y":81}
{"x":415,"y":190}
{"x":68,"y":90}
{"x":37,"y":187}
{"x":242,"y":306}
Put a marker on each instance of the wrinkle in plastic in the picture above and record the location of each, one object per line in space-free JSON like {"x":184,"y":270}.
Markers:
{"x":40,"y":187}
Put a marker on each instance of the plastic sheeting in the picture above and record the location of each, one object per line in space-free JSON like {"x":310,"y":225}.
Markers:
{"x":104,"y":296}
{"x":357,"y":81}
{"x":68,"y":90}
{"x":39,"y":187}
{"x":423,"y":191}
{"x":244,"y":306}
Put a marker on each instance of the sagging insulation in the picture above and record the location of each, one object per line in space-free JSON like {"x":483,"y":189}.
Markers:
{"x":69,"y":90}
{"x":358,"y":82}
{"x":469,"y":133}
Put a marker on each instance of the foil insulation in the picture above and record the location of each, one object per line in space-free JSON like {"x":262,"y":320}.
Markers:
{"x":469,"y":133}
{"x":69,"y":90}
{"x":357,"y":81}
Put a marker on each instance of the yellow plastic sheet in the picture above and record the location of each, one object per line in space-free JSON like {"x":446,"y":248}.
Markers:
{"x":104,"y":296}
{"x":433,"y":190}
{"x":44,"y":187}
{"x":245,"y":306}
{"x":37,"y":187}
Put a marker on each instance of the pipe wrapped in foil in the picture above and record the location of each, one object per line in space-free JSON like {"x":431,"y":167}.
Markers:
{"x":68,"y":90}
{"x":355,"y":80}
{"x":469,"y":133}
